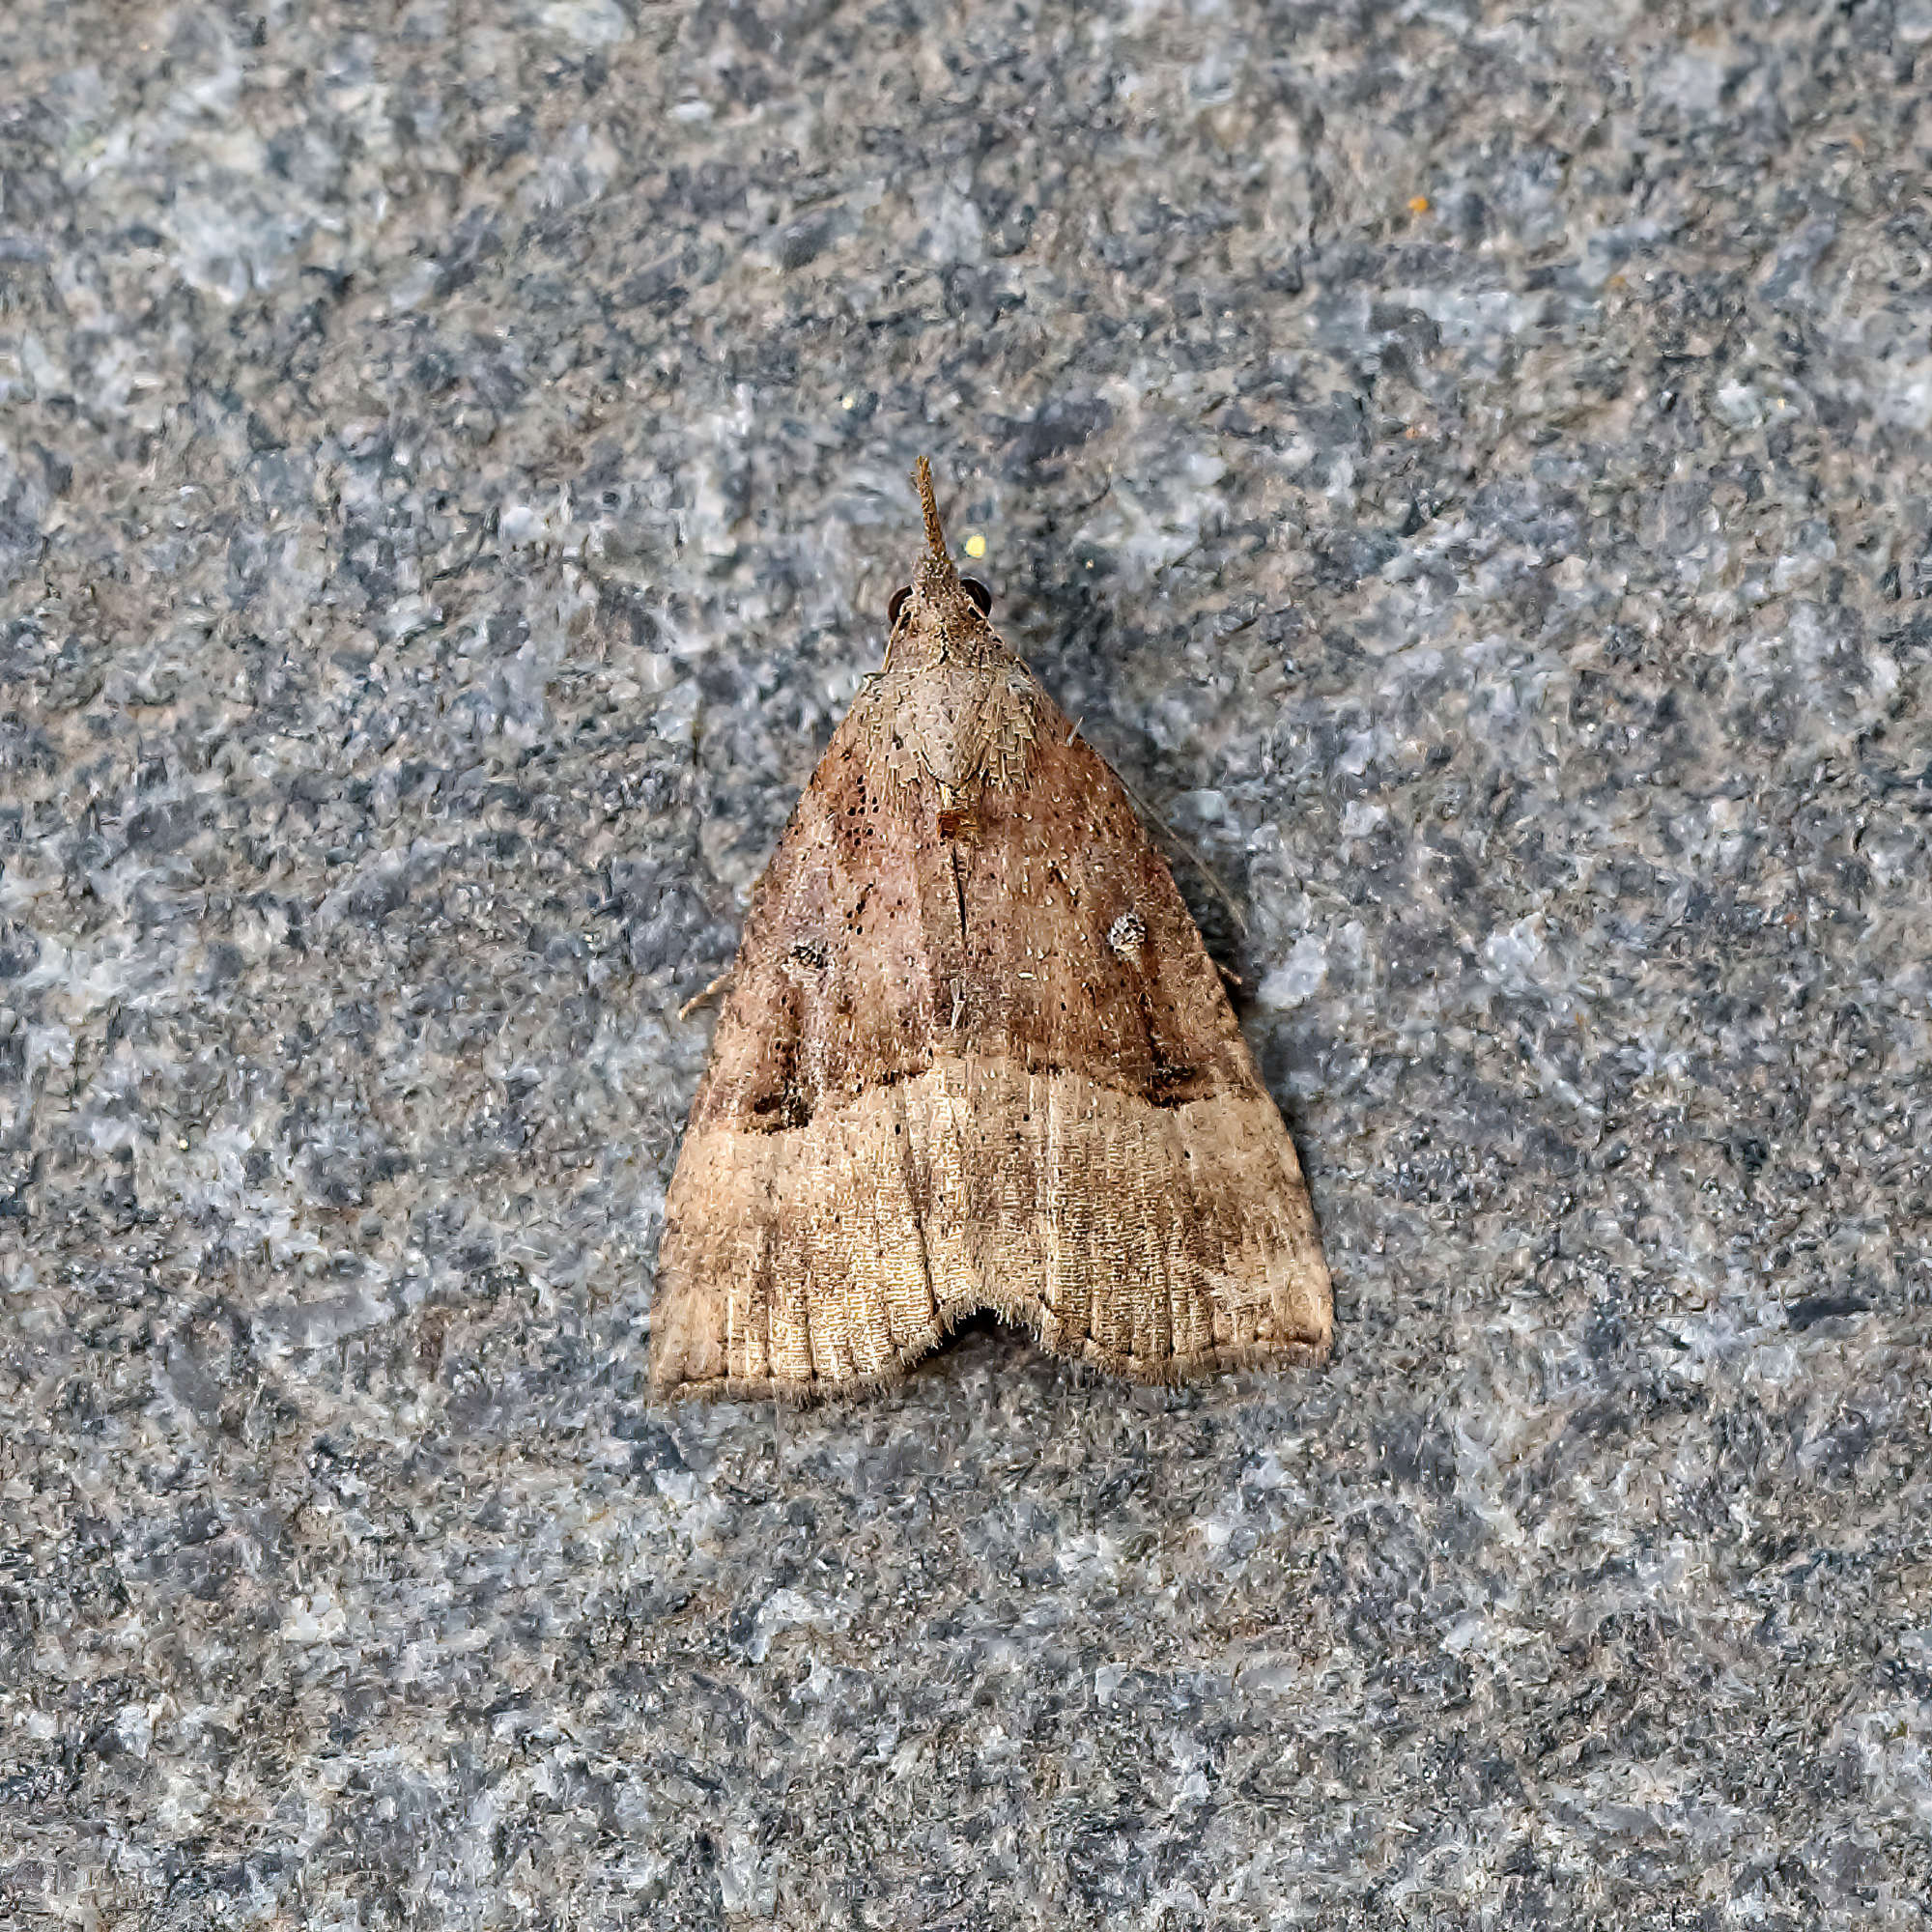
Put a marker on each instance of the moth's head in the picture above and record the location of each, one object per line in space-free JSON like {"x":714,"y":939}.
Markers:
{"x":938,"y":603}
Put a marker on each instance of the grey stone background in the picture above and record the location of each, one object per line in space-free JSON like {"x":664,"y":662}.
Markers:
{"x":1470,"y":469}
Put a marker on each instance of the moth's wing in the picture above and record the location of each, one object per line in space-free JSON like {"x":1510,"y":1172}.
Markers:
{"x":791,"y":1259}
{"x":1140,"y":1180}
{"x":976,"y":1056}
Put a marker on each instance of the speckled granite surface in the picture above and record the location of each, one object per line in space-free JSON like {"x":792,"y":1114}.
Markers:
{"x":1470,"y":469}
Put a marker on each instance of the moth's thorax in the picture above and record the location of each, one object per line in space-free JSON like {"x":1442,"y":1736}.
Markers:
{"x":954,"y":705}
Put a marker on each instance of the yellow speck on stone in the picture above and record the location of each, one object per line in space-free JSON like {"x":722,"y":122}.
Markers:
{"x":848,"y":402}
{"x":1418,"y":204}
{"x":976,"y":544}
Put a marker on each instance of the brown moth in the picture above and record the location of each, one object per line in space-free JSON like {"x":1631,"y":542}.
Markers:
{"x":975,"y":1056}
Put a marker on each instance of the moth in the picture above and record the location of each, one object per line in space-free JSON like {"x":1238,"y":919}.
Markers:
{"x":974,"y":1056}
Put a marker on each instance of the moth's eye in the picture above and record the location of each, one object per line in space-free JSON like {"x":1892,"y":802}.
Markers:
{"x":897,"y":605}
{"x":978,"y":593}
